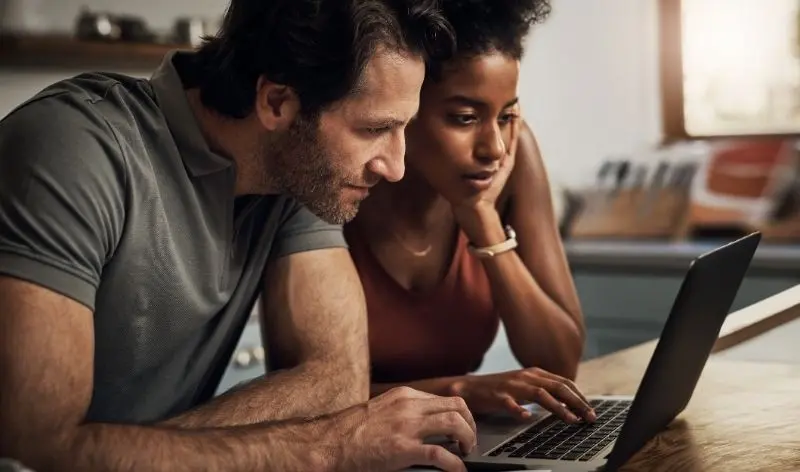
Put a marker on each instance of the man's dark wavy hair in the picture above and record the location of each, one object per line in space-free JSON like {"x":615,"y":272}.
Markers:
{"x":319,"y":48}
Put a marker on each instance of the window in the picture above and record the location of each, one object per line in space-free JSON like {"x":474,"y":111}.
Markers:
{"x":730,"y":67}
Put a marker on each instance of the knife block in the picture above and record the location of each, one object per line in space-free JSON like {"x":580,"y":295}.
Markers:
{"x":784,"y":231}
{"x":632,"y":214}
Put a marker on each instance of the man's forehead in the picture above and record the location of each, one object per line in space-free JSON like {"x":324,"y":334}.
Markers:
{"x":384,"y":64}
{"x":388,"y":80}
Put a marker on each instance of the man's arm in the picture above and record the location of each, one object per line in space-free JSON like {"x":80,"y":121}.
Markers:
{"x":314,"y":320}
{"x":315,"y":325}
{"x":62,"y":211}
{"x":46,"y":368}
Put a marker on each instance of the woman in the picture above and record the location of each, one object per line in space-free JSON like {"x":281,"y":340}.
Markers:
{"x":435,"y":251}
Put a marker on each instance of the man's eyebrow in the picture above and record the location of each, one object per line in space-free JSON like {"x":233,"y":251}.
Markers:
{"x":387,"y":122}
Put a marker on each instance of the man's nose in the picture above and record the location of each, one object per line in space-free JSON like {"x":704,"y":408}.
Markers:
{"x":390,"y":164}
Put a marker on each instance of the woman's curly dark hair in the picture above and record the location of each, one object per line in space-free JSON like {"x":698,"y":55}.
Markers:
{"x":483,"y":26}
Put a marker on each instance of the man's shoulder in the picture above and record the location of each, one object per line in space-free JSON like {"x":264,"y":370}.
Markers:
{"x":107,"y":113}
{"x":300,"y":229}
{"x":73,"y":124}
{"x":92,"y":98}
{"x":100,"y":88}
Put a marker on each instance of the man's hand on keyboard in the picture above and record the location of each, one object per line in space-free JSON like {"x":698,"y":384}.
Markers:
{"x":389,"y":432}
{"x":508,"y":390}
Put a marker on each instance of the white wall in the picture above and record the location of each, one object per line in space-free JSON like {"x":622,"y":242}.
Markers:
{"x":589,"y":82}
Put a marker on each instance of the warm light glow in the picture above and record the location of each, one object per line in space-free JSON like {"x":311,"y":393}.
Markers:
{"x":741,"y":66}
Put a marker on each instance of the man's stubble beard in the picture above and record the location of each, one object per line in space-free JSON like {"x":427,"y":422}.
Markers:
{"x":299,"y":164}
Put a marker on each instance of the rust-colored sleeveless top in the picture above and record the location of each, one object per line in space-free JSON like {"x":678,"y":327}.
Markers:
{"x":414,"y":335}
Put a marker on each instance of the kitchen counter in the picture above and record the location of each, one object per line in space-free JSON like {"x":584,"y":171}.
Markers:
{"x":742,"y":415}
{"x":653,"y":255}
{"x":627,"y":288}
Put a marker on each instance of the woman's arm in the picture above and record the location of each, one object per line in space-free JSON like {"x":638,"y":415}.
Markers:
{"x":532,"y":286}
{"x":508,"y":391}
{"x":536,"y":301}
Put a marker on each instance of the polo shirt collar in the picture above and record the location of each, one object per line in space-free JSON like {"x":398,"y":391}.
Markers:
{"x":198,"y":158}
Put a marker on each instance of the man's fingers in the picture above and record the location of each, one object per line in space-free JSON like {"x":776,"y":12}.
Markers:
{"x":429,"y":404}
{"x":450,"y":424}
{"x":456,"y":404}
{"x":437,"y":456}
{"x":409,"y":393}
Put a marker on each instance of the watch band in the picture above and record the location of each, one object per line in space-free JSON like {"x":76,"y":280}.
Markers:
{"x":490,"y":251}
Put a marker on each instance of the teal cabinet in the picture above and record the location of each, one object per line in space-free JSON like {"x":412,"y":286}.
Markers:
{"x":627,"y":289}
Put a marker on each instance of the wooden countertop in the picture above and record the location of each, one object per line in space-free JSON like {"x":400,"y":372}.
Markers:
{"x":743,"y":416}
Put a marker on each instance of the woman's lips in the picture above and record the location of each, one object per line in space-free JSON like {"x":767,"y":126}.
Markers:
{"x":480,"y":180}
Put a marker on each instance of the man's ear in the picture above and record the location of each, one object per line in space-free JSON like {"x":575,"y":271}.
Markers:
{"x":276,"y":105}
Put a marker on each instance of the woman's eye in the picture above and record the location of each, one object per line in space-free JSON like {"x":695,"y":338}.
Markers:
{"x":463,"y":120}
{"x":507,"y":118}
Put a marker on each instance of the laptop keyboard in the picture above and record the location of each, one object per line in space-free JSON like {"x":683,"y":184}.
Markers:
{"x":553,"y":439}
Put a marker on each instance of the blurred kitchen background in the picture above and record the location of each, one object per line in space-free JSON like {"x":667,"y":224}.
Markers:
{"x":667,"y":127}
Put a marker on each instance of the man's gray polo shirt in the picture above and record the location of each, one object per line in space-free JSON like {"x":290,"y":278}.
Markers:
{"x":110,"y":195}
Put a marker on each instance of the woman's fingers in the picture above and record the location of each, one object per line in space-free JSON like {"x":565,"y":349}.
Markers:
{"x":512,"y":406}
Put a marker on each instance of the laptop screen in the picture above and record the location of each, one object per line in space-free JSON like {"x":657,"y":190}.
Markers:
{"x":700,"y":308}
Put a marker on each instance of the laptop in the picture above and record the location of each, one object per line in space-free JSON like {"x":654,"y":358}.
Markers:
{"x":626,"y":423}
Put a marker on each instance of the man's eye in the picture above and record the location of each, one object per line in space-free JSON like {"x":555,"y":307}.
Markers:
{"x":379,"y":130}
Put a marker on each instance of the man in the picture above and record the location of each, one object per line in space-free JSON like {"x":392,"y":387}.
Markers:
{"x":140,"y":219}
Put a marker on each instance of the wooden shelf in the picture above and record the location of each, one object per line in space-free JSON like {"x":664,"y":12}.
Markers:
{"x":67,"y":52}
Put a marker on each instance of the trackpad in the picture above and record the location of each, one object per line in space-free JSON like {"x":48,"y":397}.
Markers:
{"x":506,"y":424}
{"x":493,"y":429}
{"x":447,"y":443}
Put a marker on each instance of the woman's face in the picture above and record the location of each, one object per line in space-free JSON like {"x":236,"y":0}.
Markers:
{"x":463,"y":125}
